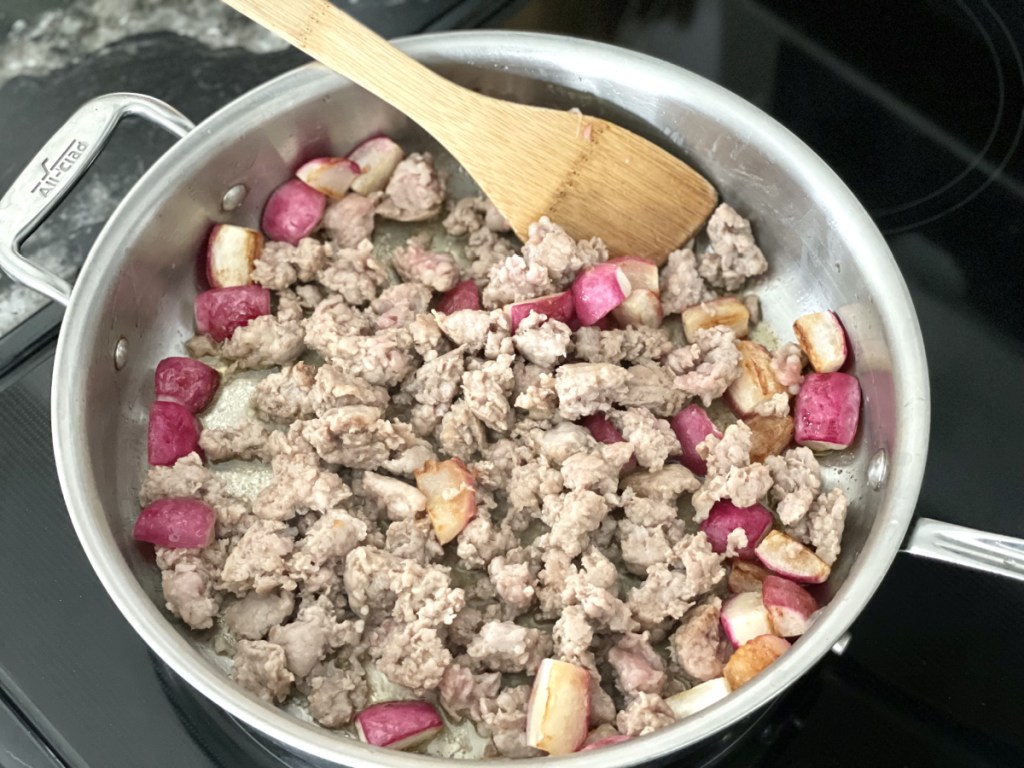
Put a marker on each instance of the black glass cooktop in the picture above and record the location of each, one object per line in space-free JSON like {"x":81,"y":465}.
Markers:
{"x":918,"y":105}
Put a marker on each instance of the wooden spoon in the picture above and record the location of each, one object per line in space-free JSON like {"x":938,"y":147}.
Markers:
{"x":588,"y":175}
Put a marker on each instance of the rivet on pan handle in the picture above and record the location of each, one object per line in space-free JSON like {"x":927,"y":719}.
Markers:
{"x":56,"y":169}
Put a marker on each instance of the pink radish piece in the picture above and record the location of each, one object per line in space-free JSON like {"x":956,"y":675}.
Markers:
{"x":598,"y":290}
{"x":746,"y":576}
{"x":641,"y":310}
{"x":293,"y":212}
{"x":331,"y":176}
{"x":728,"y":311}
{"x":605,"y":432}
{"x":827,"y":411}
{"x":186,"y":381}
{"x":785,"y":556}
{"x":556,"y":306}
{"x":230,"y":252}
{"x":752,"y":659}
{"x":725,"y":517}
{"x":756,"y":382}
{"x":692,"y":426}
{"x":398,"y":724}
{"x":744,"y":617}
{"x":377,"y":159}
{"x":173,"y":433}
{"x":641,"y":273}
{"x":789,"y":606}
{"x":607,"y":741}
{"x":176,"y":524}
{"x":558,"y":714}
{"x":464,"y":295}
{"x":606,"y":323}
{"x":220,"y":310}
{"x":823,"y":340}
{"x":702,"y":696}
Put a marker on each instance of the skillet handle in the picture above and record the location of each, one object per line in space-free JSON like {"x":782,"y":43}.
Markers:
{"x":55,"y":170}
{"x":990,"y":552}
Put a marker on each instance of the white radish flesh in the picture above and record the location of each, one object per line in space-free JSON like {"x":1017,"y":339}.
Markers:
{"x":728,"y":311}
{"x":450,"y":489}
{"x":464,"y":295}
{"x":185,"y":381}
{"x":230,"y":253}
{"x":398,"y":724}
{"x":744,"y":617}
{"x":293,"y":211}
{"x":173,"y":432}
{"x":702,"y":696}
{"x":692,"y":426}
{"x":331,"y":176}
{"x":756,"y":382}
{"x":598,"y":290}
{"x":827,"y":411}
{"x":641,"y":310}
{"x":752,"y":659}
{"x":789,"y":606}
{"x":555,"y":306}
{"x":377,"y":159}
{"x":558,"y":714}
{"x":725,"y":517}
{"x":822,"y":339}
{"x":220,"y":311}
{"x":641,"y":273}
{"x":176,"y":523}
{"x":787,"y":557}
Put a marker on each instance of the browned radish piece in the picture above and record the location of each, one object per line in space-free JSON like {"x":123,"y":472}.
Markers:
{"x":756,"y":382}
{"x":558,"y":714}
{"x":173,"y":433}
{"x":728,"y":311}
{"x":451,"y":496}
{"x":827,"y":411}
{"x":770,"y":435}
{"x":785,"y":556}
{"x":230,"y":252}
{"x":641,"y":273}
{"x":377,"y":159}
{"x":692,"y":426}
{"x":176,"y":524}
{"x":398,"y":724}
{"x":789,"y":606}
{"x":556,"y":306}
{"x":331,"y":176}
{"x":822,"y":338}
{"x":748,"y":662}
{"x":292,"y":212}
{"x":725,"y":517}
{"x":641,"y":309}
{"x":598,"y":290}
{"x":219,"y":311}
{"x":186,"y":381}
{"x":605,"y":432}
{"x":464,"y":295}
{"x":702,"y":696}
{"x":745,"y":576}
{"x":744,"y":617}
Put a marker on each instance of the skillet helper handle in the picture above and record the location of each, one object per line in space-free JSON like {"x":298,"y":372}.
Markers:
{"x":967,"y":547}
{"x":55,"y":170}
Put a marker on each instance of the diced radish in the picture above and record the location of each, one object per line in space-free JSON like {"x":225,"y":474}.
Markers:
{"x":606,"y":323}
{"x":173,"y":433}
{"x":450,"y":489}
{"x":756,"y":382}
{"x":605,"y":432}
{"x":692,"y":426}
{"x":598,"y":290}
{"x":744,"y":617}
{"x":770,"y":435}
{"x":464,"y":295}
{"x":728,"y":311}
{"x":558,"y":714}
{"x":377,"y":159}
{"x":641,"y":309}
{"x":230,"y":252}
{"x":725,"y":517}
{"x":641,"y":273}
{"x":186,"y":381}
{"x":785,"y":556}
{"x":176,"y":524}
{"x":823,"y":340}
{"x":331,"y":176}
{"x":748,"y":662}
{"x":789,"y":606}
{"x":293,"y":212}
{"x":745,"y":576}
{"x":702,"y":696}
{"x":607,"y":741}
{"x":220,"y":310}
{"x":556,"y":306}
{"x":398,"y":724}
{"x":827,"y":411}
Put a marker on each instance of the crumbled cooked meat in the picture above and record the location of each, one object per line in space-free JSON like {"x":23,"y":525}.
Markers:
{"x":462,"y":692}
{"x":413,"y":655}
{"x":349,"y":221}
{"x":698,"y":646}
{"x":354,"y":273}
{"x":552,"y":248}
{"x":353,"y":435}
{"x":502,"y":646}
{"x":730,"y":473}
{"x":531,"y":483}
{"x":505,"y":718}
{"x":385,"y":358}
{"x":542,"y":341}
{"x":735,"y":542}
{"x":481,"y":541}
{"x":189,"y":578}
{"x":427,"y":339}
{"x":596,"y":471}
{"x":398,"y":305}
{"x":646,"y":713}
{"x":586,"y":388}
{"x":486,"y":390}
{"x":681,"y":283}
{"x":257,"y":561}
{"x":796,"y":481}
{"x":260,"y":668}
{"x":462,"y":434}
{"x":823,"y":526}
{"x":514,"y":582}
{"x":665,"y":484}
{"x":788,"y":365}
{"x":417,"y":263}
{"x":594,"y":587}
{"x":538,"y":398}
{"x":188,"y":478}
{"x":732,"y":255}
{"x":649,"y":385}
{"x":307,"y":639}
{"x":473,"y":213}
{"x":434,"y":386}
{"x":573,"y":636}
{"x":299,"y":485}
{"x":485,"y":250}
{"x":335,"y":388}
{"x":264,"y":342}
{"x":246,"y":441}
{"x":317,"y":558}
{"x":337,"y":694}
{"x":397,"y":499}
{"x":413,"y":539}
{"x":647,"y":511}
{"x":706,"y":368}
{"x":638,"y":667}
{"x":669,"y":592}
{"x":776,"y":405}
{"x":564,"y":440}
{"x":284,"y":396}
{"x":252,"y":617}
{"x":621,"y":345}
{"x":643,"y":546}
{"x":468,"y":327}
{"x":652,"y":439}
{"x":514,"y":279}
{"x":202,"y":346}
{"x":572,"y":517}
{"x":281,"y":264}
{"x":414,"y":192}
